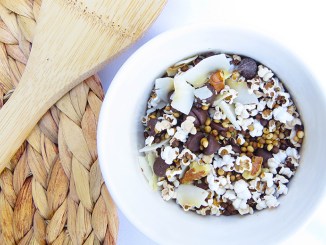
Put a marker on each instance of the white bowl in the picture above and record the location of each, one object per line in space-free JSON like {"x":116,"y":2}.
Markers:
{"x":120,"y":135}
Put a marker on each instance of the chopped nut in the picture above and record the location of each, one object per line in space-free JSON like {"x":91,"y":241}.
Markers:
{"x":195,"y":172}
{"x":217,"y":80}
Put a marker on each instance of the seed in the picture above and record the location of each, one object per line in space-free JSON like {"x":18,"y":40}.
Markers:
{"x":275,"y":143}
{"x":152,"y":116}
{"x":266,"y":130}
{"x":242,"y":154}
{"x":269,"y":147}
{"x":217,"y":121}
{"x":221,"y":137}
{"x":231,"y":129}
{"x":220,"y":171}
{"x":281,"y":136}
{"x":300,"y":134}
{"x":228,"y":135}
{"x":274,"y":137}
{"x":269,"y":142}
{"x":261,"y":146}
{"x":225,"y":125}
{"x":296,"y":138}
{"x":166,"y":136}
{"x":214,"y":132}
{"x":250,"y":149}
{"x":205,"y":107}
{"x":254,"y":145}
{"x":244,"y":149}
{"x":262,"y":141}
{"x":232,"y":178}
{"x":269,"y":136}
{"x":251,"y":127}
{"x":238,"y":176}
{"x":208,"y":121}
{"x":176,"y":114}
{"x":245,"y":144}
{"x":250,"y":154}
{"x":204,"y":142}
{"x":168,"y":108}
{"x":208,"y":129}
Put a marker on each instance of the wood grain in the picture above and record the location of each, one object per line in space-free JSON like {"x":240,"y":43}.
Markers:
{"x":73,"y":39}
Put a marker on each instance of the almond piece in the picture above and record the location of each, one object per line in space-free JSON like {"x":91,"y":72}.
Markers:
{"x":195,"y":172}
{"x":217,"y":80}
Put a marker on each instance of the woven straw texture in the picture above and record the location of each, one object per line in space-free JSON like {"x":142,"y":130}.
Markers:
{"x":53,"y":191}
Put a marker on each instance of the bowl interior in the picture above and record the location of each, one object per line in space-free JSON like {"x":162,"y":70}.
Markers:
{"x":120,"y":135}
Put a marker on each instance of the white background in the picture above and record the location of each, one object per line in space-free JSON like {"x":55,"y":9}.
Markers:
{"x":299,"y":25}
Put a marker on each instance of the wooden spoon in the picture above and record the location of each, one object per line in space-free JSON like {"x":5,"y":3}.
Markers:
{"x":73,"y":40}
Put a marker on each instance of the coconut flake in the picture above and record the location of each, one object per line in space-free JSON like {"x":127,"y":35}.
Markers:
{"x":230,"y":114}
{"x":198,"y":75}
{"x":244,"y":97}
{"x":148,"y":172}
{"x":154,"y":146}
{"x":183,"y":97}
{"x":163,"y":86}
{"x":186,"y":61}
{"x":203,"y":93}
{"x":191,"y":196}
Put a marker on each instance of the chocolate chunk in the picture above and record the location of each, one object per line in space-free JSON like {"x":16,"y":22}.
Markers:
{"x":213,"y":145}
{"x":218,"y":127}
{"x":151,"y":125}
{"x":202,"y":185}
{"x":236,"y":149}
{"x":264,"y":154}
{"x":160,"y":167}
{"x":263,"y":122}
{"x":248,"y":68}
{"x":200,"y":116}
{"x":193,"y":142}
{"x":208,"y":100}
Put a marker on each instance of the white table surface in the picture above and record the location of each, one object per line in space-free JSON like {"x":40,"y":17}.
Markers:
{"x":299,"y":25}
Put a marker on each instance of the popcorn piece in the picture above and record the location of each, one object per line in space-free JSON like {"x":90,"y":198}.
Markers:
{"x":188,"y":125}
{"x":257,"y":129}
{"x":168,"y":154}
{"x":226,"y":150}
{"x":281,"y":114}
{"x":268,"y":178}
{"x":271,"y":201}
{"x":187,"y":157}
{"x":243,"y":163}
{"x":240,"y":139}
{"x":241,"y":190}
{"x":281,"y":190}
{"x":286,"y":171}
{"x":265,"y":73}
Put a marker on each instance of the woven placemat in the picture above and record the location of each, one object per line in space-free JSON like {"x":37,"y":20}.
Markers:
{"x":53,"y":190}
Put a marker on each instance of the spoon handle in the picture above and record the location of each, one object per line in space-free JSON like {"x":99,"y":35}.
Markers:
{"x":73,"y":40}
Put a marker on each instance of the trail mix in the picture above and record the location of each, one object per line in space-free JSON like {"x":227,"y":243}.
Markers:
{"x":222,"y":135}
